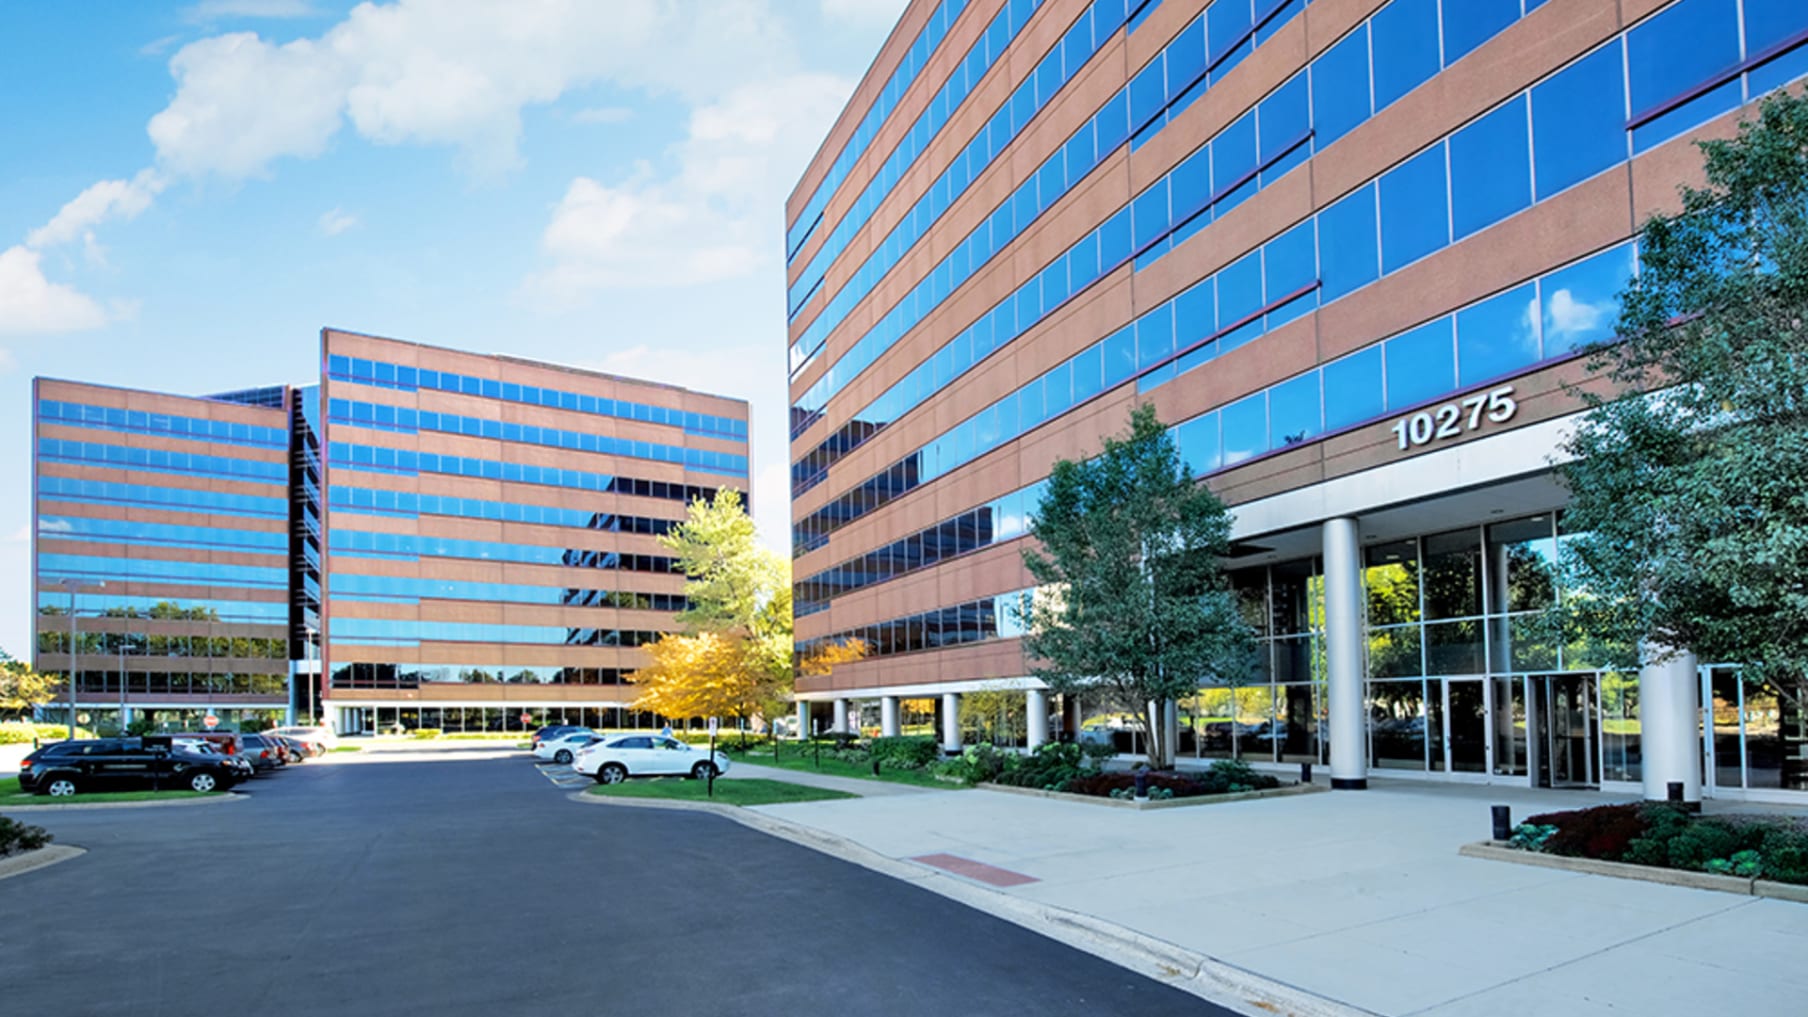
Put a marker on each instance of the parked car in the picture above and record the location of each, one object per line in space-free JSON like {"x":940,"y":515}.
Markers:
{"x":552,"y":731}
{"x":564,"y":748}
{"x":263,"y":753}
{"x":614,"y":760}
{"x":227,"y":742}
{"x":290,"y":748}
{"x":65,"y":768}
{"x":319,"y":740}
{"x":199,"y":746}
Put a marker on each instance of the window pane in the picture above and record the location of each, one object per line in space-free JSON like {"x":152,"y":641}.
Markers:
{"x":1415,"y":219}
{"x":1453,"y":575}
{"x":1284,"y":117}
{"x":1469,"y":23}
{"x":1245,"y":428}
{"x":1579,"y":120}
{"x":1390,"y":581}
{"x":1340,"y":88}
{"x":1497,"y":336}
{"x":1768,"y":23}
{"x":1421,"y":364}
{"x":1198,"y":442}
{"x":1678,"y":50}
{"x":1347,"y":249}
{"x":1353,"y":389}
{"x":1289,"y":262}
{"x":1490,"y":169}
{"x":1581,"y":302}
{"x":1406,"y":47}
{"x":1293,"y":411}
{"x":1233,"y":159}
{"x":1240,"y":289}
{"x":1195,"y":314}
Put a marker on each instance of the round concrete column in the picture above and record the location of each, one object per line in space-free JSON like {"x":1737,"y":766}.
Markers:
{"x":888,"y":716}
{"x":803,"y":719}
{"x":841,"y":723}
{"x":1670,"y":727}
{"x":1343,"y":654}
{"x":951,"y":738}
{"x":1036,"y":708}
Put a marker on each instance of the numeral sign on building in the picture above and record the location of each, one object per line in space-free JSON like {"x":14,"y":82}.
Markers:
{"x":1455,"y":418}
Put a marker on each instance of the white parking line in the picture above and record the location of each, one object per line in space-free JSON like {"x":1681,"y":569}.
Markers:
{"x":561,"y":775}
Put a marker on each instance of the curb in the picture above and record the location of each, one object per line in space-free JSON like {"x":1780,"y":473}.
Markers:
{"x":1493,"y":851}
{"x":31,"y":861}
{"x":214,"y":799}
{"x":1197,"y":974}
{"x":1161,"y":803}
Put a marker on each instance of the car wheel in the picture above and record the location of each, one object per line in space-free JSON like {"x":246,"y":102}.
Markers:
{"x":562,"y":756}
{"x":203,"y":782}
{"x":703,"y":771}
{"x":60,"y":787}
{"x":612,"y":773}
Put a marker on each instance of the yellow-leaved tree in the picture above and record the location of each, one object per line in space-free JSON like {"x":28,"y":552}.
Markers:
{"x":734,"y":658}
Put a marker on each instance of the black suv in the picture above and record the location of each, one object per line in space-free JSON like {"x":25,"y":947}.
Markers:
{"x":119,"y":764}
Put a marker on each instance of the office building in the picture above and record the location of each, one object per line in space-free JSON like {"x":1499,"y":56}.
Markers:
{"x":1348,"y":249}
{"x":423,"y":538}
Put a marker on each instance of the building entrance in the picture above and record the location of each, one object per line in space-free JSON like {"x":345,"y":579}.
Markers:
{"x":1565,"y":730}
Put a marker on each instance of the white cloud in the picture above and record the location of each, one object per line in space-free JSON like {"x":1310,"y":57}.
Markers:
{"x":864,"y":12}
{"x":208,"y":10}
{"x":31,"y":304}
{"x":445,"y":72}
{"x":108,"y":199}
{"x":715,"y":218}
{"x":1575,"y":320}
{"x":603,"y":115}
{"x":336,"y":221}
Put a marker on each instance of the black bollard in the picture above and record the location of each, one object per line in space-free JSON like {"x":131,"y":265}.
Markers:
{"x":1305,"y":773}
{"x":1142,"y":782}
{"x":1674,"y":792}
{"x":1503,"y":822}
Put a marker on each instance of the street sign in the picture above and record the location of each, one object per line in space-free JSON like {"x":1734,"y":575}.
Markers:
{"x":526,"y":718}
{"x":210,"y":722}
{"x":714,"y":726}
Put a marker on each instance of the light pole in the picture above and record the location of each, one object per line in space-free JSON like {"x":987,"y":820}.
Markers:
{"x":73,"y":585}
{"x":311,"y":654}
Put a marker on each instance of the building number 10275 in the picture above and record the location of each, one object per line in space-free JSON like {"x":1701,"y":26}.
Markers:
{"x":1454,"y":418}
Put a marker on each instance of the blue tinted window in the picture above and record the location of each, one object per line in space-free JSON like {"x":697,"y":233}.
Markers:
{"x":1148,"y":93}
{"x":1293,"y":411}
{"x":1421,"y":365}
{"x":1674,"y":52}
{"x":1415,"y":220}
{"x":1581,"y":302}
{"x":1406,"y":47}
{"x":1227,"y":25}
{"x":1290,"y":262}
{"x":1346,"y":245}
{"x":1767,"y":24}
{"x":1469,"y":23}
{"x":1340,"y":88}
{"x":1234,"y":159}
{"x":1198,"y":441}
{"x":1190,"y":184}
{"x":1195,"y":314}
{"x":1285,"y":116}
{"x":1490,"y":169}
{"x":1155,"y":336}
{"x":1151,"y":213}
{"x":1120,"y":355}
{"x":1353,"y":389}
{"x":1497,"y":336}
{"x":1087,"y":377}
{"x":1245,"y":424}
{"x":1578,"y":121}
{"x":1240,"y":289}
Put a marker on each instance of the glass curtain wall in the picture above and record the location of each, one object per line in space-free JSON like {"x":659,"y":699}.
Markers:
{"x":1277,"y":712}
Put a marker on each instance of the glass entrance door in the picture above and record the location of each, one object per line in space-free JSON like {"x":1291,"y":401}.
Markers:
{"x":1468,"y":713}
{"x":1566,"y":735}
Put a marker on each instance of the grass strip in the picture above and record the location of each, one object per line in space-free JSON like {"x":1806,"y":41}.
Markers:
{"x":10,"y":794}
{"x":751,"y":791}
{"x":805,"y":760}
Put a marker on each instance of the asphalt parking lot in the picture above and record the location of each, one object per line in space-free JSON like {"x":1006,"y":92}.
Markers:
{"x":456,"y":886}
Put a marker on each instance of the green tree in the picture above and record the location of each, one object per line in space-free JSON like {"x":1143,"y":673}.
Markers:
{"x":1135,"y":606}
{"x":22,"y":688}
{"x":1689,"y":473}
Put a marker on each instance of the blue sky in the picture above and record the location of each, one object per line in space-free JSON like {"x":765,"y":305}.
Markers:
{"x":190,"y":191}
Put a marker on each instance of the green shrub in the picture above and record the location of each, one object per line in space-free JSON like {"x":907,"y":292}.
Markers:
{"x":16,"y":837}
{"x":1531,"y":836}
{"x":904,"y":752}
{"x":978,"y":764}
{"x":1785,"y":851}
{"x":1051,"y":767}
{"x":25,"y":732}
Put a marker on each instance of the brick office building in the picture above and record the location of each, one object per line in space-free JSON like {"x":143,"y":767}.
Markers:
{"x":1348,"y":248}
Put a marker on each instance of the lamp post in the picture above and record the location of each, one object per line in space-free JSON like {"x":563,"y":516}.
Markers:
{"x":311,"y":655}
{"x":73,"y":585}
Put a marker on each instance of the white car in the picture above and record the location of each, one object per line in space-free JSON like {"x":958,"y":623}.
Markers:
{"x":319,"y":735}
{"x":564,"y":748}
{"x":614,"y":760}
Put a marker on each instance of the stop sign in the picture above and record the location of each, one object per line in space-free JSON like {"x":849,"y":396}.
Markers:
{"x":210,"y":721}
{"x":526,"y":718}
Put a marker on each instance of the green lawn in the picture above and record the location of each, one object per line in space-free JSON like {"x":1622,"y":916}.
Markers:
{"x":728,"y":792}
{"x":349,"y":748}
{"x":11,"y":795}
{"x":792,"y":756}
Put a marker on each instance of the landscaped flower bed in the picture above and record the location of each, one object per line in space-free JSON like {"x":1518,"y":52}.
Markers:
{"x":1074,"y":769}
{"x":1665,"y":837}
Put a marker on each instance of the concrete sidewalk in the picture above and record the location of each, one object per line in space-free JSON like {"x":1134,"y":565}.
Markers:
{"x":1358,"y":897}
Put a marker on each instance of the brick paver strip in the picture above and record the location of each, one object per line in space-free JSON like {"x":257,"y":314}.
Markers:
{"x":990,"y":874}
